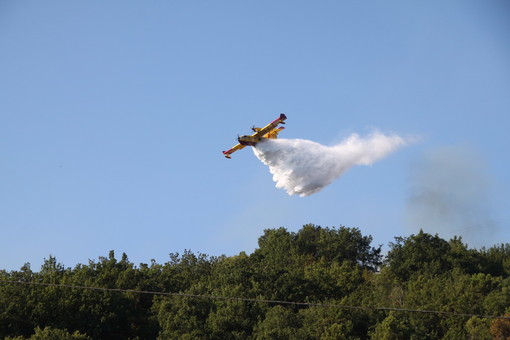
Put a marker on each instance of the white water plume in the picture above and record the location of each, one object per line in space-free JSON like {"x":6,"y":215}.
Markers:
{"x":302,"y":167}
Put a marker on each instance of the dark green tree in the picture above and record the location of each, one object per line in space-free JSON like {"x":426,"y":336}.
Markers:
{"x":215,"y":297}
{"x":279,"y":323}
{"x":421,"y":253}
{"x":338,"y":245}
{"x":49,"y":333}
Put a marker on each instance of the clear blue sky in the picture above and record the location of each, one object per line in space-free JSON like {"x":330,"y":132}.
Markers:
{"x":113,"y":116}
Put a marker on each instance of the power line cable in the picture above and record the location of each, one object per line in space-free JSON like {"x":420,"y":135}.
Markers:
{"x":268,"y":301}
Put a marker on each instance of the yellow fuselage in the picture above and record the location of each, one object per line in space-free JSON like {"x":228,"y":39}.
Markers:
{"x":269,"y":131}
{"x":252,"y":140}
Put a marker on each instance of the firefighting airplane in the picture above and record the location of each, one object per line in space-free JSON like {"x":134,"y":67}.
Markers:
{"x":271,"y":130}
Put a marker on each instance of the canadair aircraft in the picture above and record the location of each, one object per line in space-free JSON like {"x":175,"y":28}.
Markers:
{"x":271,"y":130}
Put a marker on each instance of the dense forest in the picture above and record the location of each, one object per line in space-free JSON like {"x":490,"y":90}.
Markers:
{"x":316,"y":283}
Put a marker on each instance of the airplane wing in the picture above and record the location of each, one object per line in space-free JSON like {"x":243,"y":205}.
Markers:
{"x":274,"y":133}
{"x":269,"y":131}
{"x":233,"y":149}
{"x":271,"y":126}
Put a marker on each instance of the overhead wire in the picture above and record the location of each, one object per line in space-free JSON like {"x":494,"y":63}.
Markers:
{"x":255,"y":300}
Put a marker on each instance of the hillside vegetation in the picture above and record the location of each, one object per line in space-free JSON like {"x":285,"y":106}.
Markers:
{"x":337,"y":267}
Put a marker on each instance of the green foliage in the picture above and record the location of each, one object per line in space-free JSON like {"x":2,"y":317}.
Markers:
{"x":422,"y":253}
{"x":478,"y":329}
{"x":394,"y":327}
{"x":49,"y":333}
{"x":278,"y":323}
{"x":182,"y":317}
{"x":338,"y":245}
{"x":337,"y":267}
{"x":231,"y":320}
{"x":497,"y":260}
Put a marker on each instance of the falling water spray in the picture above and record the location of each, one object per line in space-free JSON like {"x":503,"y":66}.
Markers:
{"x":302,"y":167}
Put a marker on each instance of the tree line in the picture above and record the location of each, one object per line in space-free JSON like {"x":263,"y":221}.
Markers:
{"x":316,"y":266}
